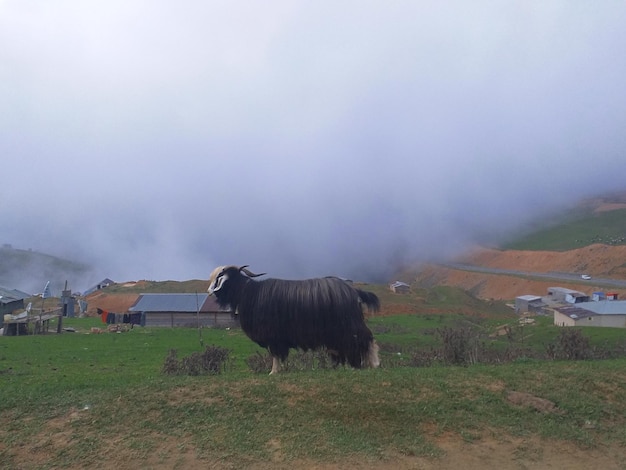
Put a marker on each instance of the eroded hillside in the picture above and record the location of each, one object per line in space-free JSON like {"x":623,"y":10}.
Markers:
{"x":599,"y":261}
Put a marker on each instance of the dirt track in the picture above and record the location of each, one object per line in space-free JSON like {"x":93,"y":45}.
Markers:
{"x":599,"y":261}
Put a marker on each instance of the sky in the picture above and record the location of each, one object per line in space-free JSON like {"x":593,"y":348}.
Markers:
{"x":156,"y":139}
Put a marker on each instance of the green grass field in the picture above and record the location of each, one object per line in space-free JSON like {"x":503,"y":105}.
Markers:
{"x":77,"y":400}
{"x":578,"y":229}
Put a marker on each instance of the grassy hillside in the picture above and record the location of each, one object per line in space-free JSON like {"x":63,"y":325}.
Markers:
{"x":159,"y":287}
{"x":580,"y":228}
{"x":84,"y":400}
{"x":29,"y":270}
{"x":436,"y":300}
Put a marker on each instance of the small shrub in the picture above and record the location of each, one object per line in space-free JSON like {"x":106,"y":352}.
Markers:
{"x":427,"y":358}
{"x":490,"y":355}
{"x":260,"y":363}
{"x":212,"y":361}
{"x":460,"y":345}
{"x":570,"y":345}
{"x":170,"y":366}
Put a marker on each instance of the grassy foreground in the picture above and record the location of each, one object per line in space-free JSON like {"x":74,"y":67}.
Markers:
{"x":82,"y":400}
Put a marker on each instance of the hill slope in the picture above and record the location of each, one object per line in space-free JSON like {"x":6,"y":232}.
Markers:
{"x":596,"y":260}
{"x":599,"y":220}
{"x":120,"y":297}
{"x":29,"y":270}
{"x":569,"y":246}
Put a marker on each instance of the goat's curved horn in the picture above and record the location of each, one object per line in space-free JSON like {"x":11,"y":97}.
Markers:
{"x":249,"y":273}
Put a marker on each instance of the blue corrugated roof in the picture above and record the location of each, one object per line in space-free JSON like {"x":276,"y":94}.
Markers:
{"x":591,"y":309}
{"x":606,"y":307}
{"x":173,"y":303}
{"x":11,"y":295}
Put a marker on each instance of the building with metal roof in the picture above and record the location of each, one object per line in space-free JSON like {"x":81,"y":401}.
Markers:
{"x":529,"y":303}
{"x":607,"y":313}
{"x":562,"y":294}
{"x":106,"y":282}
{"x":400,"y":287}
{"x":181,"y":310}
{"x":11,"y":300}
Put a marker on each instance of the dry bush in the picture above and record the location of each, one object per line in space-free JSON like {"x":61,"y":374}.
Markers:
{"x":212,"y":361}
{"x":425,"y":358}
{"x":259,"y":363}
{"x":171,"y":366}
{"x":460,"y":345}
{"x":571,"y":344}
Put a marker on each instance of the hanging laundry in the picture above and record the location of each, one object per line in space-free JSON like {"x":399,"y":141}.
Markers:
{"x":103,"y":315}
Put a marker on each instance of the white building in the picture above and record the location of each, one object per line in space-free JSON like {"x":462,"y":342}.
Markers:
{"x":562,"y":294}
{"x":400,"y":287}
{"x":529,"y":303}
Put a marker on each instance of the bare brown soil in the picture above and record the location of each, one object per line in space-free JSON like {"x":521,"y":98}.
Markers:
{"x":596,"y":260}
{"x":489,"y":449}
{"x":111,"y":302}
{"x":124,"y":295}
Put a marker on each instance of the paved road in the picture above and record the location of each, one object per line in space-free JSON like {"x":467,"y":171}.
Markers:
{"x":557,"y":276}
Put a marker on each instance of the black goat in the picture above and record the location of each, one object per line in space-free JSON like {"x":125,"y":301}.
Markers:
{"x":280,"y":314}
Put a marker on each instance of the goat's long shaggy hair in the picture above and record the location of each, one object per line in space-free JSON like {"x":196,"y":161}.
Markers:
{"x":282,"y":314}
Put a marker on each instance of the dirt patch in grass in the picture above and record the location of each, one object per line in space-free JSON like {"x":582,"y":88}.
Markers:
{"x":192,"y":395}
{"x":506,"y":452}
{"x":527,"y":400}
{"x":297,"y":394}
{"x":490,"y":449}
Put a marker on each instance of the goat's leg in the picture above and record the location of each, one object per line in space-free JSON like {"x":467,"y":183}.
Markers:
{"x":275,"y":365}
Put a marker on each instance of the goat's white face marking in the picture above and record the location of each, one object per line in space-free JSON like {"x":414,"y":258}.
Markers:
{"x":216,"y":280}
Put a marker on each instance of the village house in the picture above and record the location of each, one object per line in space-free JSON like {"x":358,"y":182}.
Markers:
{"x":10,"y":301}
{"x":606,"y":313}
{"x":180,"y":310}
{"x":100,"y":285}
{"x":400,"y":287}
{"x":562,"y":294}
{"x":529,"y":304}
{"x":574,"y":308}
